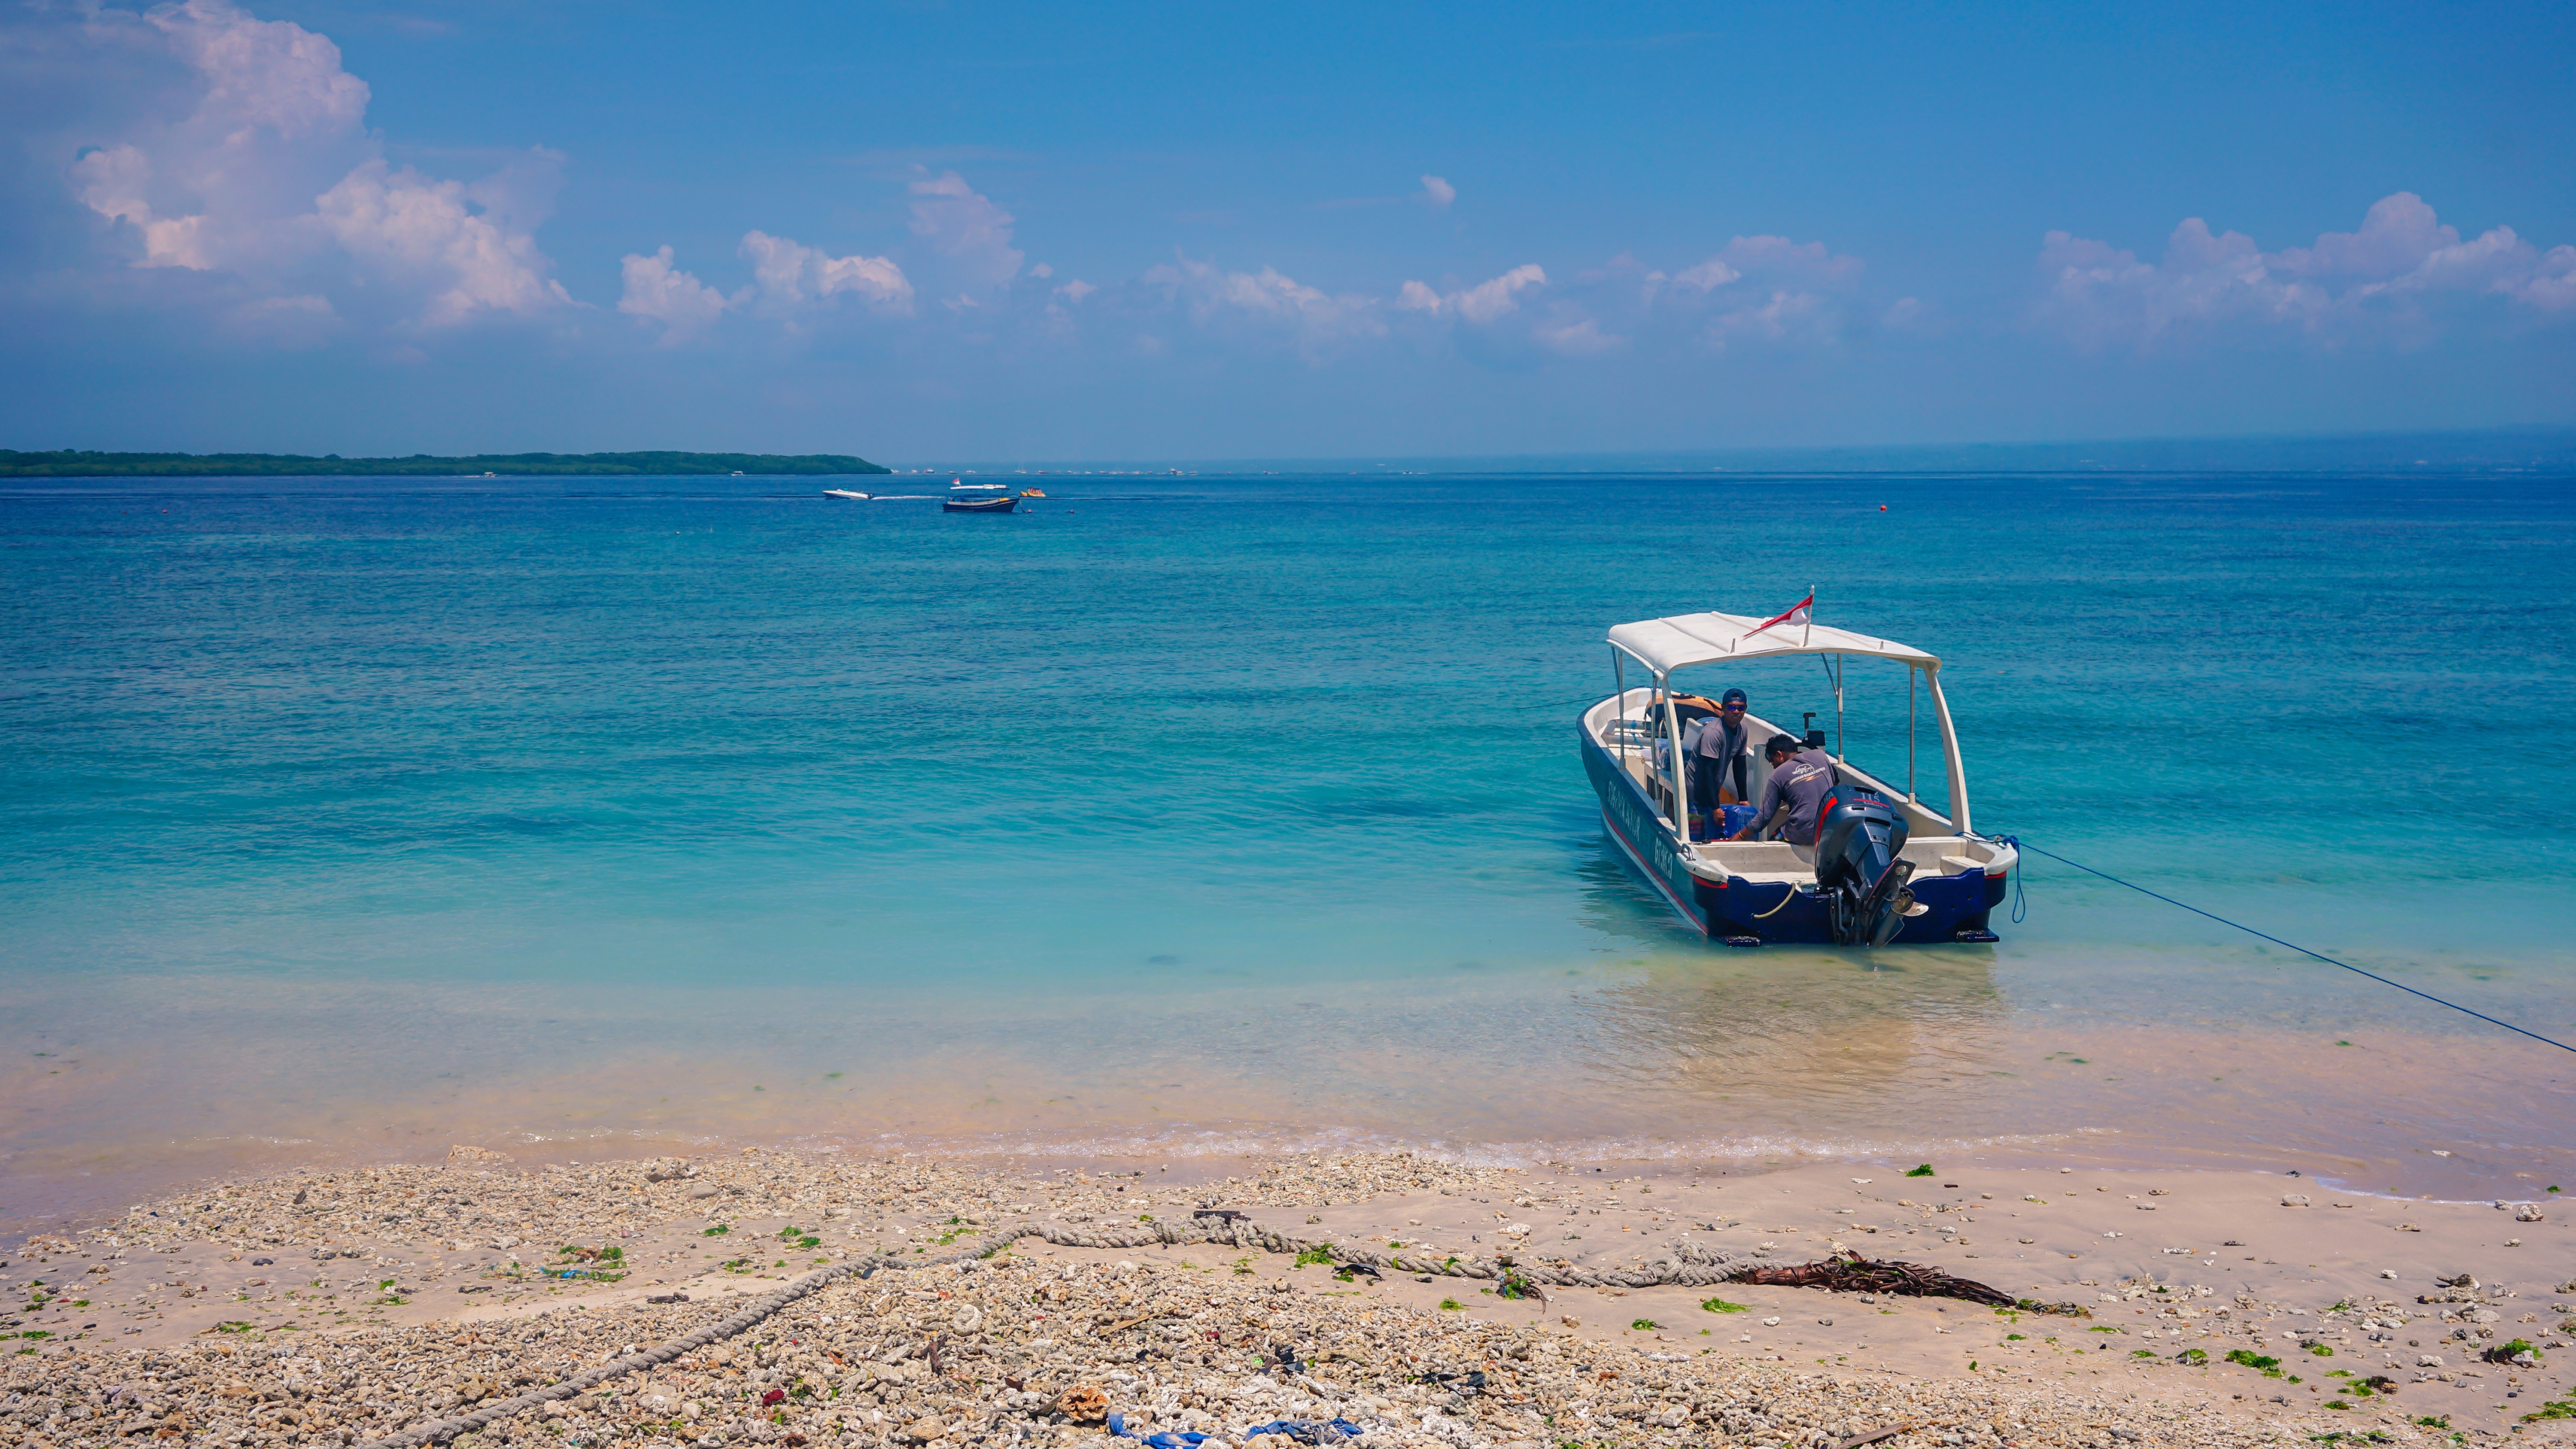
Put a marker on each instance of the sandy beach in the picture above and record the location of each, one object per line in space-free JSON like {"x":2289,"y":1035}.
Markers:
{"x":2191,"y":1307}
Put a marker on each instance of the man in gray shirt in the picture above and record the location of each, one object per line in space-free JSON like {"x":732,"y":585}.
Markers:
{"x":1723,"y":758}
{"x":1801,"y":779}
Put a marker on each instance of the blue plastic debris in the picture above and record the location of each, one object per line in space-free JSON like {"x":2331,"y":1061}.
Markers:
{"x":1304,"y":1431}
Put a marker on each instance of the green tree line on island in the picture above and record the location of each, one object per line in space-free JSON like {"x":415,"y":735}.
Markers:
{"x":76,"y":464}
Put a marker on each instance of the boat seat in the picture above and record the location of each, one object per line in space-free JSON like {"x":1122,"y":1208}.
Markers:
{"x":1759,"y":860}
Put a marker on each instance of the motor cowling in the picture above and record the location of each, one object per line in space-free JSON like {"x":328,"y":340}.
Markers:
{"x":1859,"y":838}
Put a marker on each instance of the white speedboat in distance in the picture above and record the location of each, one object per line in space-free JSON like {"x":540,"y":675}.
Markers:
{"x":842,"y":493}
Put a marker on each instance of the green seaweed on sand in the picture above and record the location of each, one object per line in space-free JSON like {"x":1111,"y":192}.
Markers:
{"x":2192,"y":1357}
{"x":1924,"y":1171}
{"x":2554,"y":1409}
{"x":1720,"y":1305}
{"x":1451,"y":1305}
{"x":718,"y":1231}
{"x":1644,"y":1325}
{"x":2270,"y":1366}
{"x":1314,"y":1257}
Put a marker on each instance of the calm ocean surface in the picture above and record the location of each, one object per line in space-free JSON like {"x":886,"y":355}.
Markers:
{"x":1192,"y":815}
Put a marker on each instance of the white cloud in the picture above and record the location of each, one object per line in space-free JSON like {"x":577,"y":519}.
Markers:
{"x":1580,"y":338}
{"x":268,"y":174}
{"x":1483,"y":303}
{"x":1764,"y":259}
{"x":1438,"y":192}
{"x":271,"y":75}
{"x":966,"y":227}
{"x":1773,"y":318}
{"x":112,"y":181}
{"x":663,"y":293}
{"x":1268,"y":300}
{"x":2381,"y":279}
{"x":1707,"y":276}
{"x":418,"y":230}
{"x":1075,"y":290}
{"x":1755,"y":288}
{"x":791,"y":275}
{"x":790,"y":281}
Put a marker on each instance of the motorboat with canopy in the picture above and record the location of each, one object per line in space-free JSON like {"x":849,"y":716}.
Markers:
{"x":1887,"y":864}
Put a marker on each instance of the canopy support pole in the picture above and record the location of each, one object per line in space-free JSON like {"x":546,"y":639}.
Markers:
{"x":1840,"y":664}
{"x":1949,"y":751}
{"x":1619,"y":704}
{"x":1911,"y":797}
{"x":1673,"y":727}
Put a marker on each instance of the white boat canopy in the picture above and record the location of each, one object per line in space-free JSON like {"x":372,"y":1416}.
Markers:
{"x":1664,"y":645}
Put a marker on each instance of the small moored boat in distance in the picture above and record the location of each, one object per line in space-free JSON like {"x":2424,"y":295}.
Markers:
{"x":1883,"y":865}
{"x":1003,"y":504}
{"x":841,"y":493}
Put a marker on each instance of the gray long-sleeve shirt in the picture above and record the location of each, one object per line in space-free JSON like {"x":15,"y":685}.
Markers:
{"x":1803,"y":780}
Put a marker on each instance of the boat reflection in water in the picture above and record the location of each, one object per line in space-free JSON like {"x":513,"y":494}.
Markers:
{"x":1792,"y":1048}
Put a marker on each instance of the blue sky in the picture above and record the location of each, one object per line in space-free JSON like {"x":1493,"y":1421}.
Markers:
{"x":970,"y":230}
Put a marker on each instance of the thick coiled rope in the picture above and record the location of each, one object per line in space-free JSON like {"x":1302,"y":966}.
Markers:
{"x":1691,"y":1265}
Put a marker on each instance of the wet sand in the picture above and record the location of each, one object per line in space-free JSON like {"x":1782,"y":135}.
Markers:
{"x":2354,"y":1299}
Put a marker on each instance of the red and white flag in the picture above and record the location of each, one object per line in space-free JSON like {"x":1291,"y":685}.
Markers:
{"x":1797,"y":614}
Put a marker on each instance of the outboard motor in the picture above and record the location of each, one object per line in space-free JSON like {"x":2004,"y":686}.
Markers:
{"x":1858,"y":839}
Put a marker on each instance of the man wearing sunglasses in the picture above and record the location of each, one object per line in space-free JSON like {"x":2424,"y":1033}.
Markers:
{"x":1723,"y":755}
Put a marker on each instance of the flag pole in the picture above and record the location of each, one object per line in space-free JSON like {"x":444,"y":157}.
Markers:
{"x":1810,"y":631}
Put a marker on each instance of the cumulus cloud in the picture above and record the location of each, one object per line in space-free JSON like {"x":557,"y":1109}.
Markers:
{"x":661,"y":292}
{"x":1755,"y":288}
{"x":1581,"y":337}
{"x":262,"y":75}
{"x":1486,"y":302}
{"x":268,"y":174}
{"x":417,"y":230}
{"x":2384,"y":279}
{"x":790,"y":281}
{"x":966,"y":227}
{"x":790,"y":275}
{"x":1267,"y":302}
{"x":113,"y":182}
{"x":1438,"y":192}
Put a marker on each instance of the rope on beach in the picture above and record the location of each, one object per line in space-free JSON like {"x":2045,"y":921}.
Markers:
{"x":2019,"y":844}
{"x":1690,"y":1265}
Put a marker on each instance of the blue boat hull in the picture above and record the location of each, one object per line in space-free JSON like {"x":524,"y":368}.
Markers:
{"x":1737,"y":909}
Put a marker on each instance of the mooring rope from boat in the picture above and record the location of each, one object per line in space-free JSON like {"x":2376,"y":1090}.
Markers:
{"x":2019,"y":844}
{"x":1688,"y":1264}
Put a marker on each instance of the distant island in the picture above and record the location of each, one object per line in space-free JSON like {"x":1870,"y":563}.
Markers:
{"x":70,"y":464}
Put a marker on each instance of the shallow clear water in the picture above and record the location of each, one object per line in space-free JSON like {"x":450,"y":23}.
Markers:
{"x":1205,"y":813}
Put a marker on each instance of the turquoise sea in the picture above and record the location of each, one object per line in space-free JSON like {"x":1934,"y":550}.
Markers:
{"x":1192,"y":815}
